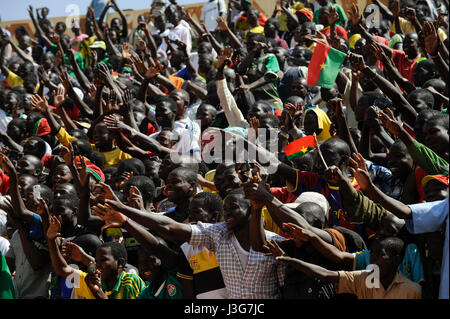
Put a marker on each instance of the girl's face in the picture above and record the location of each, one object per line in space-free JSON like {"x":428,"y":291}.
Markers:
{"x":62,"y":175}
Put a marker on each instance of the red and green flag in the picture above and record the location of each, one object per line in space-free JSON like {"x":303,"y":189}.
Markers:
{"x":301,"y":146}
{"x":324,"y":66}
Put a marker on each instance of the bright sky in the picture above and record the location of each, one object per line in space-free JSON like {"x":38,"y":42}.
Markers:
{"x":17,"y":9}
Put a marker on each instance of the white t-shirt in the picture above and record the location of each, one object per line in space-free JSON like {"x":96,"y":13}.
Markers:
{"x":4,"y":246}
{"x":242,"y":253}
{"x":210,"y":12}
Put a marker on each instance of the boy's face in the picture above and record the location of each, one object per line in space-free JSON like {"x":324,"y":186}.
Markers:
{"x":205,"y":115}
{"x":181,"y":103}
{"x":106,"y":263}
{"x":435,"y":190}
{"x":226,"y":180}
{"x":379,"y":257}
{"x":149,"y":270}
{"x":26,"y":166}
{"x":61,"y":175}
{"x":102,"y":137}
{"x":436,"y":137}
{"x":199,"y":212}
{"x":256,"y":110}
{"x":177,"y":187}
{"x":62,"y":189}
{"x":68,"y":216}
{"x":164,"y":114}
{"x":399,"y":162}
{"x":25,"y":181}
{"x":235,"y":212}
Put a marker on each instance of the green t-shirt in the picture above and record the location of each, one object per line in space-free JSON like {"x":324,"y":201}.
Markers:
{"x":6,"y":284}
{"x":129,"y":286}
{"x":170,"y":289}
{"x":78,"y":58}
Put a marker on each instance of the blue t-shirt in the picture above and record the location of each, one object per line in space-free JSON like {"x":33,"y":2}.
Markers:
{"x":411,"y":266}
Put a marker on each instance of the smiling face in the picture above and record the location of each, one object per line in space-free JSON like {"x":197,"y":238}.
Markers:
{"x":178,"y":189}
{"x":399,"y":161}
{"x":107,"y":264}
{"x":61,"y":175}
{"x":226,"y":179}
{"x":102,"y":137}
{"x":149,"y":266}
{"x":236,"y":211}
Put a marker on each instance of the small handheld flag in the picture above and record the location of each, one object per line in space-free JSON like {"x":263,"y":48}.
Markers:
{"x":300,"y":147}
{"x":324,"y":66}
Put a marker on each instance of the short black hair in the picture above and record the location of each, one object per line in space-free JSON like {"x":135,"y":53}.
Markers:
{"x":273,"y":119}
{"x":213,"y":203}
{"x":40,"y":147}
{"x":98,"y":159}
{"x":82,"y":147}
{"x":393,"y":246}
{"x":168,"y":100}
{"x":73,"y":202}
{"x":118,"y":250}
{"x":134,"y":165}
{"x":89,"y":242}
{"x":46,"y":194}
{"x":189,"y":174}
{"x":439,"y":119}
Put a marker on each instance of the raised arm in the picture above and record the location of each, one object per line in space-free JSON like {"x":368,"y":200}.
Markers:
{"x":162,"y":225}
{"x":149,"y":242}
{"x":123,"y":18}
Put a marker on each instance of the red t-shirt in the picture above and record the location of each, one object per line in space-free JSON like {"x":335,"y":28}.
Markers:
{"x":4,"y":183}
{"x":404,"y":65}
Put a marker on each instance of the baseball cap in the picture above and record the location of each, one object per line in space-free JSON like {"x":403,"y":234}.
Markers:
{"x":98,"y":45}
{"x":441,"y":178}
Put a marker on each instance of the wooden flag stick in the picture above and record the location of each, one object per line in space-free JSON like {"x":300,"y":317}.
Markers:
{"x":320,"y":153}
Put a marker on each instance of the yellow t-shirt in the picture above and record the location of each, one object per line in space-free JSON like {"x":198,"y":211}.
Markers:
{"x":112,"y":158}
{"x":81,"y":287}
{"x":14,"y":80}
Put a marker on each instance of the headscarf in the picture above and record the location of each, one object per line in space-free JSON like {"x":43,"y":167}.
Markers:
{"x":324,"y":123}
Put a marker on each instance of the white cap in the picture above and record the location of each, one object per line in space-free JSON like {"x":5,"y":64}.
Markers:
{"x":312,"y":197}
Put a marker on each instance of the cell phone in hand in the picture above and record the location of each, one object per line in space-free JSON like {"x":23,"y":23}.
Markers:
{"x":37,"y":192}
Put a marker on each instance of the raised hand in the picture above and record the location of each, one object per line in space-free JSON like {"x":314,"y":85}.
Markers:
{"x":431,"y":38}
{"x":333,"y":17}
{"x":410,"y":14}
{"x":394,"y":6}
{"x":83,"y":173}
{"x":92,"y":92}
{"x":54,"y":229}
{"x":224,"y":57}
{"x":73,"y":252}
{"x":105,"y":192}
{"x":113,"y":218}
{"x":272,"y":249}
{"x":154,"y":71}
{"x":354,"y":14}
{"x":116,"y":125}
{"x":135,"y":198}
{"x":64,"y":78}
{"x":222,"y":25}
{"x":335,"y":107}
{"x":389,"y":122}
{"x":39,"y":103}
{"x":362,"y":177}
{"x":357,"y":162}
{"x":59,"y":97}
{"x":67,"y":154}
{"x":357,"y":62}
{"x":333,"y":175}
{"x":139,"y":63}
{"x":126,"y":51}
{"x":298,"y":234}
{"x":54,"y":38}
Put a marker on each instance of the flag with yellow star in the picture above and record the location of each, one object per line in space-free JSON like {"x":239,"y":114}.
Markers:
{"x":324,"y":66}
{"x":300,"y":146}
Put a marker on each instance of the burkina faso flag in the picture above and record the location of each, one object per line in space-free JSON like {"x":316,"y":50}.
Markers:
{"x":301,"y":146}
{"x":324,"y":66}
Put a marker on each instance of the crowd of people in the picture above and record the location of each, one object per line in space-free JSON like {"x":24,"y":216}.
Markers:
{"x":198,"y":159}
